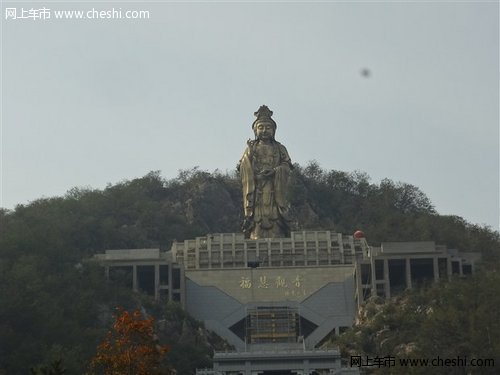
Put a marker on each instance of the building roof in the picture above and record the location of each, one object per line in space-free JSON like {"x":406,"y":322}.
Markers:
{"x":408,"y":247}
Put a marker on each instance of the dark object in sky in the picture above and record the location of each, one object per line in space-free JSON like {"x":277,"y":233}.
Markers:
{"x":366,"y":73}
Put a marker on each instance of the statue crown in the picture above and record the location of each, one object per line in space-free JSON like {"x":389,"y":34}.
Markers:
{"x":263,"y":114}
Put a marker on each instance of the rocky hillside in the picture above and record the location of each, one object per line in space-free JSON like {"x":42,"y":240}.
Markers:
{"x":56,"y":305}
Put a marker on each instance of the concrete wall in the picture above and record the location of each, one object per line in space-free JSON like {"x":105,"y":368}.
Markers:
{"x":323,"y":295}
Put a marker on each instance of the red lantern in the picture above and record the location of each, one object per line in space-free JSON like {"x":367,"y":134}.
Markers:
{"x":359,"y":234}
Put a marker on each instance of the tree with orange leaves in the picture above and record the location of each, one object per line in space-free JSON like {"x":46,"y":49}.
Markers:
{"x":130,"y":348}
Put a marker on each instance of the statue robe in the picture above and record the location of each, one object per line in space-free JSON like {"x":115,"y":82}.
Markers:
{"x":264,"y":198}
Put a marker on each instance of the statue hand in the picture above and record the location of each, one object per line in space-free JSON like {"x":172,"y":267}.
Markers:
{"x":267,"y":172}
{"x":247,"y":223}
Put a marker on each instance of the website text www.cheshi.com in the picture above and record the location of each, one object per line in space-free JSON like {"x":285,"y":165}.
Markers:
{"x":391,"y":361}
{"x":44,"y":13}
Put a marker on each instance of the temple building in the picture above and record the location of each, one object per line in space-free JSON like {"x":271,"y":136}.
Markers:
{"x":274,"y":294}
{"x":146,"y":270}
{"x":275,"y":300}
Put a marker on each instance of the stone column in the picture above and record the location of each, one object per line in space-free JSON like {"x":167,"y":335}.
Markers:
{"x":408,"y":272}
{"x":134,"y":278}
{"x":307,"y":370}
{"x":435,"y":267}
{"x":359,"y":283}
{"x":387,"y":284}
{"x":170,"y":278}
{"x":248,"y":368}
{"x":372,"y":273}
{"x":157,"y":282}
{"x":182,"y":287}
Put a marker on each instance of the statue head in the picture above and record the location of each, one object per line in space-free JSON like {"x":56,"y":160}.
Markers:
{"x":264,"y":123}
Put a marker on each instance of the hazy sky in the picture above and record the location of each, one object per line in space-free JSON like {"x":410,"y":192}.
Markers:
{"x":91,"y":102}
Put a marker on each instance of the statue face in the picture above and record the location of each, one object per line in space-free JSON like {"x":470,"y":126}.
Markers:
{"x":264,"y":131}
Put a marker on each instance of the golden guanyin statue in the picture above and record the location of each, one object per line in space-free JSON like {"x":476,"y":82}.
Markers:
{"x":264,"y":170}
